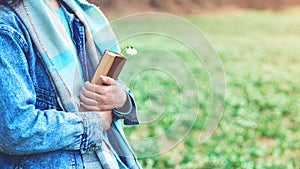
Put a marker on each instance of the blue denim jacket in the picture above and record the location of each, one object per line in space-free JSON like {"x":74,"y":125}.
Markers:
{"x":35,"y":132}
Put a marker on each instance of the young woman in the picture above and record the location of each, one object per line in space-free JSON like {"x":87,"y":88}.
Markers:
{"x":49,"y":50}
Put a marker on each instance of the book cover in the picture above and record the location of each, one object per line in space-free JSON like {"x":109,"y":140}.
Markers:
{"x":110,"y":65}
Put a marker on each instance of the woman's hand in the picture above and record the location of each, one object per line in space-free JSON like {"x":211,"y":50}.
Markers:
{"x":106,"y":119}
{"x":102,"y":97}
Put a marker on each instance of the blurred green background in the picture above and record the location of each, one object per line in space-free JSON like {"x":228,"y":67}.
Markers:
{"x":259,"y":50}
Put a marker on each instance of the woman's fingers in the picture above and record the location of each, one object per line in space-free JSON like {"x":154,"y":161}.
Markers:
{"x":108,"y":81}
{"x":105,"y":97}
{"x":90,"y":107}
{"x":88,"y":100}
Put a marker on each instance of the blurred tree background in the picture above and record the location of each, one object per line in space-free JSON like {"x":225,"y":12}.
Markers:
{"x":113,"y":7}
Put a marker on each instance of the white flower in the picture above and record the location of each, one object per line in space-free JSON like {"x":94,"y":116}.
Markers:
{"x":130,"y":50}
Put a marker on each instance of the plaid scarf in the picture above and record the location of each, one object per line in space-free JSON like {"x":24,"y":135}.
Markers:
{"x":51,"y":40}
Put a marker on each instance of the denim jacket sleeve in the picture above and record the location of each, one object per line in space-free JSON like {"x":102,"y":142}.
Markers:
{"x":26,"y":129}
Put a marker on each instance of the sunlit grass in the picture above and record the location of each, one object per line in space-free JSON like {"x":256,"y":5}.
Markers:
{"x":260,"y":125}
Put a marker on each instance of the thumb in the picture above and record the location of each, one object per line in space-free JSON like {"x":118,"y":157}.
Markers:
{"x":107,"y":80}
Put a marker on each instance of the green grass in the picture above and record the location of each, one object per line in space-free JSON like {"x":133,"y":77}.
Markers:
{"x":260,"y":125}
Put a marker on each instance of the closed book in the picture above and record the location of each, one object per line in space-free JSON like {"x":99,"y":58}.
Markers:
{"x":110,"y":65}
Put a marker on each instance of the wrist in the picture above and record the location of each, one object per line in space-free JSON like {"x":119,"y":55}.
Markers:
{"x":123,"y":101}
{"x":126,"y":108}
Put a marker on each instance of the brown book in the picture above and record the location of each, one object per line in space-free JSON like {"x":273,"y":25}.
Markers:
{"x":110,"y":65}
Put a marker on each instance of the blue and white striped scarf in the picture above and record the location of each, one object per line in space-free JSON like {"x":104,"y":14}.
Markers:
{"x":51,"y":40}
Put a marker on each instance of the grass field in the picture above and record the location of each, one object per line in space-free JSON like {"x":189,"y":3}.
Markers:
{"x":259,"y":127}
